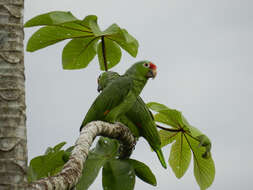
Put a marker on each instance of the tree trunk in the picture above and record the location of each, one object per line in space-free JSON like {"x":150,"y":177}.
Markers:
{"x":13,"y":149}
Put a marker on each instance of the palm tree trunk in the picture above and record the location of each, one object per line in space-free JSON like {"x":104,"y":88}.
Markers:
{"x":13,"y":149}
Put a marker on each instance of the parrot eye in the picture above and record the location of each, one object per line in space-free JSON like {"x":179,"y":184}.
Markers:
{"x":146,"y":64}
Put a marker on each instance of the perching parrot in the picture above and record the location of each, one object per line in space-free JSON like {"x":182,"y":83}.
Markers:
{"x":119,"y":96}
{"x":139,"y":117}
{"x":103,"y":81}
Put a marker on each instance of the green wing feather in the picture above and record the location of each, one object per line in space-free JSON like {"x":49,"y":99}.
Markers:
{"x":140,"y":115}
{"x":111,"y":97}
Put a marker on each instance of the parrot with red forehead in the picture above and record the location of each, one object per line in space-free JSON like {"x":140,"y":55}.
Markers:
{"x":138,"y":118}
{"x":119,"y":96}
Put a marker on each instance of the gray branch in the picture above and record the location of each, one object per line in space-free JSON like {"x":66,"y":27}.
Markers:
{"x":72,"y":170}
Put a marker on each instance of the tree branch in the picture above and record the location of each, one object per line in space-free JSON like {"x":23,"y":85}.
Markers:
{"x":72,"y":170}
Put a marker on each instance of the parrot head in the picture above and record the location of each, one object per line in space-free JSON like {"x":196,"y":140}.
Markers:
{"x":144,"y":69}
{"x":105,"y":78}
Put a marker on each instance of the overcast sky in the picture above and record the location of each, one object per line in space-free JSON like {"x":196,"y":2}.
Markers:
{"x":203,"y":51}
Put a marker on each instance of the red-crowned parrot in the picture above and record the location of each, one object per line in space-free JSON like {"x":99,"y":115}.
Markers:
{"x":139,"y":117}
{"x":119,"y":96}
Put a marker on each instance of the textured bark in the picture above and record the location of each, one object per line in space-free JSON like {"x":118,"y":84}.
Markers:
{"x":13,"y":151}
{"x":72,"y":170}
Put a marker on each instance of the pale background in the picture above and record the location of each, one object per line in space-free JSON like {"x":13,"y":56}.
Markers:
{"x":203,"y":50}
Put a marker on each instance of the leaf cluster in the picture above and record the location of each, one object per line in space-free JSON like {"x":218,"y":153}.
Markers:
{"x":116,"y":173}
{"x":87,"y":39}
{"x":187,"y":142}
{"x":48,"y":164}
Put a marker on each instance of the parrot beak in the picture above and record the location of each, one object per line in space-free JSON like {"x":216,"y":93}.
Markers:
{"x":151,"y":73}
{"x":99,"y":88}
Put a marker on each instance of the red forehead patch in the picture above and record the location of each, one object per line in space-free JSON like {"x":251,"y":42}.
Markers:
{"x":152,"y":66}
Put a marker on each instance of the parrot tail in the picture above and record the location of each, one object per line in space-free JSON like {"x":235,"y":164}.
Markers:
{"x":161,"y":157}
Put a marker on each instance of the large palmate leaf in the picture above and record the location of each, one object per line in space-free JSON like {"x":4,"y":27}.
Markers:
{"x":59,"y":26}
{"x":188,"y":139}
{"x":118,"y":174}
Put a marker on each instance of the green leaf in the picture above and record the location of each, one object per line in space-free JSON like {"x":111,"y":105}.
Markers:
{"x":90,"y":171}
{"x":117,"y":175}
{"x":113,"y":29}
{"x":194,"y":131}
{"x":167,"y":137}
{"x":189,"y":138}
{"x":180,"y":156}
{"x":90,"y":18}
{"x":67,"y":153}
{"x":49,"y":35}
{"x":126,"y":41}
{"x":78,"y":53}
{"x":168,"y":116}
{"x":205,"y":142}
{"x":143,"y":171}
{"x":69,"y":149}
{"x":156,"y":106}
{"x":56,"y":170}
{"x":49,"y":150}
{"x":51,"y":18}
{"x":204,"y":169}
{"x":77,"y":25}
{"x":105,"y":149}
{"x":55,"y":149}
{"x":112,"y":54}
{"x":66,"y":156}
{"x":48,"y":164}
{"x":43,"y":166}
{"x":59,"y":146}
{"x":94,"y":26}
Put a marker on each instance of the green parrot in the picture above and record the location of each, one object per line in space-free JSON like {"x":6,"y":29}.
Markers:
{"x":139,"y":117}
{"x":119,"y":96}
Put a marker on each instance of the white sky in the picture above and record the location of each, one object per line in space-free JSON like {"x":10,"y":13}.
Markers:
{"x":203,"y":50}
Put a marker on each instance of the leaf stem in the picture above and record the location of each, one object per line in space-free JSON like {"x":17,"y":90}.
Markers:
{"x":103,"y":52}
{"x":169,"y":129}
